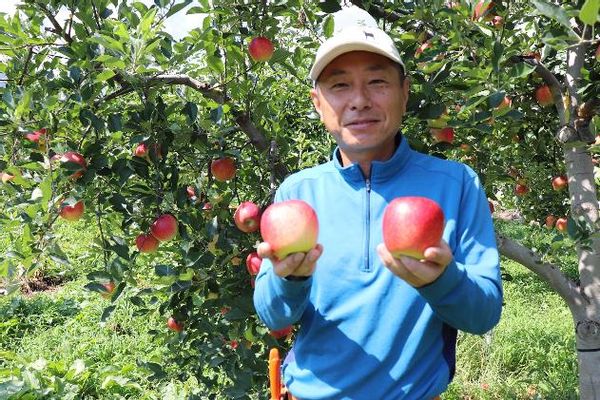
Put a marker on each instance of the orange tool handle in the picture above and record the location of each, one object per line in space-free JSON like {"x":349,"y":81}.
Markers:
{"x":275,"y":374}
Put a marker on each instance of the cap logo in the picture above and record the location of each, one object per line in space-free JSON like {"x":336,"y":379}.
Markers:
{"x":368,"y":35}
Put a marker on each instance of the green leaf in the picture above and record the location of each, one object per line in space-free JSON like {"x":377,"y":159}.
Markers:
{"x":554,"y":12}
{"x":589,"y":12}
{"x":146,"y":22}
{"x":107,"y":311}
{"x":330,"y":6}
{"x":177,"y":7}
{"x":105,"y":75}
{"x":328,"y":25}
{"x":165,"y":270}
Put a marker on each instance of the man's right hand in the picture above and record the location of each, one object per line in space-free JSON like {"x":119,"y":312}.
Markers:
{"x":296,"y":264}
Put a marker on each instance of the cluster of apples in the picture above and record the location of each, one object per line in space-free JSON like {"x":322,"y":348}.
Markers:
{"x":164,"y":228}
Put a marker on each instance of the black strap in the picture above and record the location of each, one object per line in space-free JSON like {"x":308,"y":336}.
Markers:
{"x":588,"y":350}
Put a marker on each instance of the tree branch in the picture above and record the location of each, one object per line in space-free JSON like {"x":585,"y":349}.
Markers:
{"x":57,"y":28}
{"x":257,"y":137}
{"x":564,"y":286}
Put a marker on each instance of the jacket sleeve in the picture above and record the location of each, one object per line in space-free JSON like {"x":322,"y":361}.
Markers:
{"x":279,"y":302}
{"x":468,"y":294}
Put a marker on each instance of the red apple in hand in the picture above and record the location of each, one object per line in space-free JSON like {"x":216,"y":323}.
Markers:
{"x":289,"y":227}
{"x":164,"y":227}
{"x":561,"y":224}
{"x":261,"y":49}
{"x":146,"y":243}
{"x":174,"y":325}
{"x":76,"y":158}
{"x":412,"y":224}
{"x":559,"y":182}
{"x":253,"y":262}
{"x":72,"y":212}
{"x":247,"y":217}
{"x":223,"y":169}
{"x":543,"y":96}
{"x":280,"y":333}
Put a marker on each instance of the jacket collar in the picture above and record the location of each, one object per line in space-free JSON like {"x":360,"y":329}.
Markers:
{"x":380,"y":170}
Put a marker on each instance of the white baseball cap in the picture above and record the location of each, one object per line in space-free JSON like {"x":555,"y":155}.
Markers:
{"x":354,"y":38}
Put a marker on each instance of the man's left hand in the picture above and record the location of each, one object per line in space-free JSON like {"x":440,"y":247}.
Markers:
{"x":418,"y":272}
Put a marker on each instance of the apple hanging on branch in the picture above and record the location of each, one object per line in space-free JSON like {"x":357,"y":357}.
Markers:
{"x":71,"y":160}
{"x":247,"y":217}
{"x":174,"y":325}
{"x":253,"y":262}
{"x":412,"y":224}
{"x":560,"y":182}
{"x":164,"y":227}
{"x":543,"y":95}
{"x":223,"y":169}
{"x":72,"y":212}
{"x":261,"y":49}
{"x":146,"y":243}
{"x":290,"y":226}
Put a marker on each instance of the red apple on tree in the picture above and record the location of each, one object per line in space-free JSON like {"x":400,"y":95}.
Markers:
{"x":35,"y":136}
{"x":141,"y":150}
{"x":109,"y":288}
{"x":543,"y":95}
{"x":412,"y":224}
{"x":253,"y":262}
{"x":290,"y":226}
{"x":482,"y":8}
{"x":164,"y":227}
{"x":146,"y":243}
{"x":521,"y":189}
{"x":560,"y":182}
{"x":506,"y":103}
{"x":247,"y":217}
{"x":561,"y":224}
{"x":72,"y":212}
{"x":421,"y":49}
{"x":497,"y":21}
{"x":191,"y":192}
{"x":281,"y":333}
{"x":261,"y":49}
{"x":223,"y":169}
{"x":70,"y":158}
{"x":443,"y":135}
{"x":550,"y":221}
{"x":174,"y":325}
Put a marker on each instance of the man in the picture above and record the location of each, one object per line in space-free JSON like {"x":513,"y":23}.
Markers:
{"x":373,"y":326}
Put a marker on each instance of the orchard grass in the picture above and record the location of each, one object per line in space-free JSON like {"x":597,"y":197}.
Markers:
{"x":56,"y":338}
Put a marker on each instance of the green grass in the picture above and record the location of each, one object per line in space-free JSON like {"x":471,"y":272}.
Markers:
{"x":54,"y":340}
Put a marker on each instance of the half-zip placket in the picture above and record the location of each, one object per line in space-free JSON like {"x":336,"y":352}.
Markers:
{"x":367,"y":227}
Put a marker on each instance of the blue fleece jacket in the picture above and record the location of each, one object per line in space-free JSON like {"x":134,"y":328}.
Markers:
{"x":365,"y":333}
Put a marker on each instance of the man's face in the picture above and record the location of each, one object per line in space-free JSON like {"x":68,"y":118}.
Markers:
{"x":361,"y":101}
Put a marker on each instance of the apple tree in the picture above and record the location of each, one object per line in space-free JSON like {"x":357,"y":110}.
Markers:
{"x":106,"y":108}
